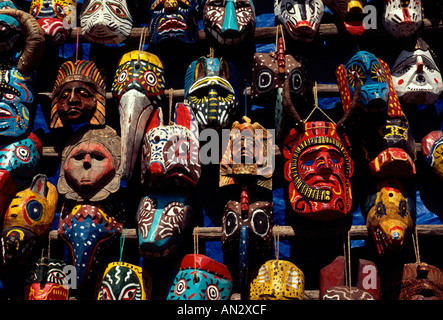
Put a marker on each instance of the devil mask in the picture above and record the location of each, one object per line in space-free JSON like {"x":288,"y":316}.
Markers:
{"x":229,"y":22}
{"x":107,"y":21}
{"x":416,"y":75}
{"x":432,"y":148}
{"x":139,"y":86}
{"x":402,"y":18}
{"x":78,"y":94}
{"x":212,"y":90}
{"x":125,"y":281}
{"x":173,"y":19}
{"x":56,"y":17}
{"x":201,"y":278}
{"x":301,"y":19}
{"x":28,"y":220}
{"x":318,"y":168}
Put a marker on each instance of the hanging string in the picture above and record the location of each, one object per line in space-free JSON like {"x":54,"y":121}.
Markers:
{"x":142,"y":42}
{"x":77,"y":44}
{"x":195,"y":276}
{"x":416,"y":246}
{"x":277,"y":242}
{"x":347,"y":256}
{"x":316,"y":105}
{"x":246,"y":99}
{"x":122,"y":244}
{"x":171,"y":99}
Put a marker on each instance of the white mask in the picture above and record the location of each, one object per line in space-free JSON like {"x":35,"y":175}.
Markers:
{"x":402,"y":18}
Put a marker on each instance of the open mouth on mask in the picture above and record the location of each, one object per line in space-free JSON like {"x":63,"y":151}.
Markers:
{"x":175,"y":24}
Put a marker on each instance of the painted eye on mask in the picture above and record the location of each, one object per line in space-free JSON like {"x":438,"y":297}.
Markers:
{"x":402,"y":208}
{"x":106,"y":294}
{"x":213,"y":292}
{"x":174,"y":209}
{"x":55,"y":276}
{"x":354,"y":70}
{"x":129,"y":294}
{"x":230,"y":223}
{"x":123,"y":76}
{"x":377,"y":73}
{"x":93,"y":8}
{"x":34,"y":210}
{"x":59,"y":10}
{"x":23,"y":153}
{"x":180,"y":287}
{"x":260,"y":223}
{"x":290,"y":8}
{"x":296,"y":81}
{"x":118,"y":10}
{"x":265,"y":79}
{"x":150,"y":78}
{"x":9,"y":96}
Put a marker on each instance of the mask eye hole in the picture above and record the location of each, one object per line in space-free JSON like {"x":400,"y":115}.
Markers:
{"x":34,"y":210}
{"x":296,"y":81}
{"x":230,"y":223}
{"x":264,"y":79}
{"x":260,"y":222}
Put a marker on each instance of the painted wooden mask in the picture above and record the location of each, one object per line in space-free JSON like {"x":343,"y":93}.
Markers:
{"x":421,"y":281}
{"x":86,"y":230}
{"x":229,"y":22}
{"x":318,"y":168}
{"x":170,"y":153}
{"x":139,"y":86}
{"x":56,"y":17}
{"x":90,"y":164}
{"x":402,"y":18}
{"x":416,"y":75}
{"x":18,"y":167}
{"x":79,"y":95}
{"x":212,"y":91}
{"x":432,"y":149}
{"x":162,"y":218}
{"x":301,"y":19}
{"x":108,"y":22}
{"x":390,"y":215}
{"x":28,"y":220}
{"x":173,"y":19}
{"x":125,"y":281}
{"x":47,"y":281}
{"x":278,"y":280}
{"x":350,"y":15}
{"x":201,"y":278}
{"x":16,"y":98}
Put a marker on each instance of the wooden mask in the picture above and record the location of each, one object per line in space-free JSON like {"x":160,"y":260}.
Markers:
{"x":212,"y":90}
{"x":90,"y":164}
{"x":170,"y":153}
{"x":421,"y":281}
{"x":350,"y":15}
{"x":432,"y":149}
{"x":125,"y":281}
{"x":78,"y":95}
{"x":278,"y":280}
{"x":402,"y":18}
{"x":139,"y":86}
{"x":108,"y":22}
{"x":86,"y":230}
{"x":229,"y":22}
{"x":333,"y":281}
{"x":301,"y":19}
{"x":56,"y":17}
{"x":18,"y":167}
{"x":173,"y":19}
{"x":162,"y":218}
{"x":416,"y":75}
{"x":201,"y":278}
{"x":16,"y":97}
{"x":312,"y":156}
{"x":390,"y":215}
{"x":28,"y":220}
{"x":47,"y":281}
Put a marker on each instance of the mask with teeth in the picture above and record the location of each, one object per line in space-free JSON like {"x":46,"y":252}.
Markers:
{"x":173,"y":19}
{"x":416,"y":75}
{"x":402,"y":18}
{"x":16,"y":98}
{"x":107,"y":21}
{"x":229,"y":22}
{"x":301,"y":19}
{"x":139,"y":86}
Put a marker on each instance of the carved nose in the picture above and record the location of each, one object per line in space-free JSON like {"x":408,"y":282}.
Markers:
{"x":324,"y":165}
{"x":156,"y":169}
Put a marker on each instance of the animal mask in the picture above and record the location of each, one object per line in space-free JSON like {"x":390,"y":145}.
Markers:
{"x":350,"y":15}
{"x":79,"y":95}
{"x":16,"y":96}
{"x":301,"y":19}
{"x":161,"y":220}
{"x":125,"y":281}
{"x":86,"y":230}
{"x":401,"y":18}
{"x":278,"y":280}
{"x":248,"y":154}
{"x":139,"y":86}
{"x":108,"y":22}
{"x":56,"y":17}
{"x":212,"y":91}
{"x":421,"y":281}
{"x":229,"y":22}
{"x":390,"y":215}
{"x":90,"y":164}
{"x":432,"y":149}
{"x":28,"y":220}
{"x":47,"y":281}
{"x":416,"y":75}
{"x":201,"y":278}
{"x":318,"y":168}
{"x":173,"y":19}
{"x":171,"y":153}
